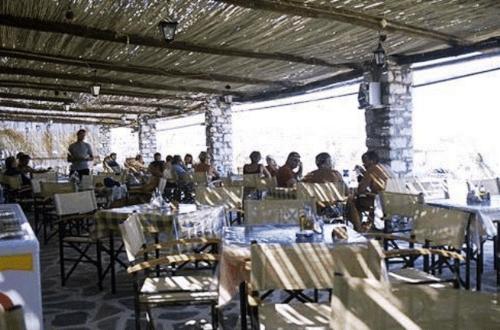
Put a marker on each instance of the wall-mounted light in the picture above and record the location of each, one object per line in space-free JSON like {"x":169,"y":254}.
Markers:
{"x":228,"y":98}
{"x":168,"y":29}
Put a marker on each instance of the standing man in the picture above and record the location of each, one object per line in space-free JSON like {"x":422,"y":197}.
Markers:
{"x":79,"y":154}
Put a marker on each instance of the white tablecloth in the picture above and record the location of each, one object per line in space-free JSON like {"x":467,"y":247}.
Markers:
{"x":485,"y":215}
{"x":22,"y":286}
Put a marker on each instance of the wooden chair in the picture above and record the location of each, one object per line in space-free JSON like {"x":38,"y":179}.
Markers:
{"x":440,"y":233}
{"x":431,"y":188}
{"x":330,"y":197}
{"x":44,"y":202}
{"x":297,"y":267}
{"x":168,"y":289}
{"x":398,"y":211}
{"x":276,"y":211}
{"x":75,"y":213}
{"x":229,"y":197}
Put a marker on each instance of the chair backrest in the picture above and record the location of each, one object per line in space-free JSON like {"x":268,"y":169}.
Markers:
{"x":47,"y":176}
{"x":86,"y":182}
{"x":133,"y":236}
{"x":13,"y":181}
{"x":282,"y":193}
{"x":440,"y":226}
{"x":431,"y":188}
{"x":199,"y":178}
{"x":400,"y":204}
{"x":285,"y":211}
{"x":229,"y":197}
{"x":75,"y":203}
{"x":265,"y":183}
{"x":312,"y":265}
{"x":491,"y":185}
{"x":322,"y":192}
{"x":48,"y":189}
{"x":98,"y":179}
{"x":396,"y":185}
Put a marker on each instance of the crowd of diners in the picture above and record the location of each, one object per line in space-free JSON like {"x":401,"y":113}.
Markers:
{"x":177,"y":171}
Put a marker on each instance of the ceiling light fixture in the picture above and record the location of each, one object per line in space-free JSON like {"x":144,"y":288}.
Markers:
{"x":95,"y":88}
{"x":379,"y":55}
{"x":168,"y":29}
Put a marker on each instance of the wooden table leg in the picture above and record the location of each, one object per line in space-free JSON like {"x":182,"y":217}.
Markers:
{"x":243,"y":306}
{"x":112,"y":261}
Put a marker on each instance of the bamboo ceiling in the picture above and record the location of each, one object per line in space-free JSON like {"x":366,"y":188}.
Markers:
{"x":260,"y":48}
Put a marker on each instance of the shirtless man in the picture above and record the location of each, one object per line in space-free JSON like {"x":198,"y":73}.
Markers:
{"x":372,"y":181}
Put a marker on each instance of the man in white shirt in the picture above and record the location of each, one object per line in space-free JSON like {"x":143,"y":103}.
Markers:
{"x":80,"y":154}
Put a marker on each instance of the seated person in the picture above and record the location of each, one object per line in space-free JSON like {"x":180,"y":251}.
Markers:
{"x":204,"y":166}
{"x":12,"y":169}
{"x":179,"y":172}
{"x":167,"y":172}
{"x":156,"y":171}
{"x":254,"y":167}
{"x":188,"y":161}
{"x":325,"y":172}
{"x":373,"y":179}
{"x":286,"y":176}
{"x":110,"y":164}
{"x":135,"y":165}
{"x":271,"y":167}
{"x":26,"y":169}
{"x":157,"y":160}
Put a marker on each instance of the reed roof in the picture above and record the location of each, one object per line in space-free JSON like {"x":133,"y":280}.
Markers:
{"x":260,"y":48}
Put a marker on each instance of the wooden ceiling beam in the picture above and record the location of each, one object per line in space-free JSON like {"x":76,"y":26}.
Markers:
{"x":142,"y":104}
{"x":138,"y":40}
{"x":104,"y":91}
{"x":36,"y":98}
{"x":128,"y":68}
{"x":44,"y":113}
{"x":343,"y":15}
{"x":101,"y":79}
{"x":90,"y":110}
{"x":294,"y":91}
{"x":491,"y":43}
{"x":41,"y":119}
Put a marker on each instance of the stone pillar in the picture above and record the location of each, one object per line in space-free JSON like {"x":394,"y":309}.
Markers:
{"x":147,"y":139}
{"x":219,"y":134}
{"x":104,"y":141}
{"x":389,"y":128}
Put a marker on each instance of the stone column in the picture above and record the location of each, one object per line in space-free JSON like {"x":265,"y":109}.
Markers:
{"x":219,"y":134}
{"x":389,"y":128}
{"x":104,"y":141}
{"x":147,"y":138}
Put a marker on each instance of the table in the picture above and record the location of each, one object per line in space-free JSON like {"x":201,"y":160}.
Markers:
{"x":482,"y":224}
{"x":236,"y":253}
{"x":20,"y":269}
{"x":411,"y":307}
{"x":187,"y":221}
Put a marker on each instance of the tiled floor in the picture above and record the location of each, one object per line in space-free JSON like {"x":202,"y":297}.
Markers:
{"x":80,"y":305}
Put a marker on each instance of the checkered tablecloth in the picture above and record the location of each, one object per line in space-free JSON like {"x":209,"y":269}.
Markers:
{"x":160,"y":221}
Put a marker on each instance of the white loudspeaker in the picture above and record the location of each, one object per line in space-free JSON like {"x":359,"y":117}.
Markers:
{"x":369,"y":95}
